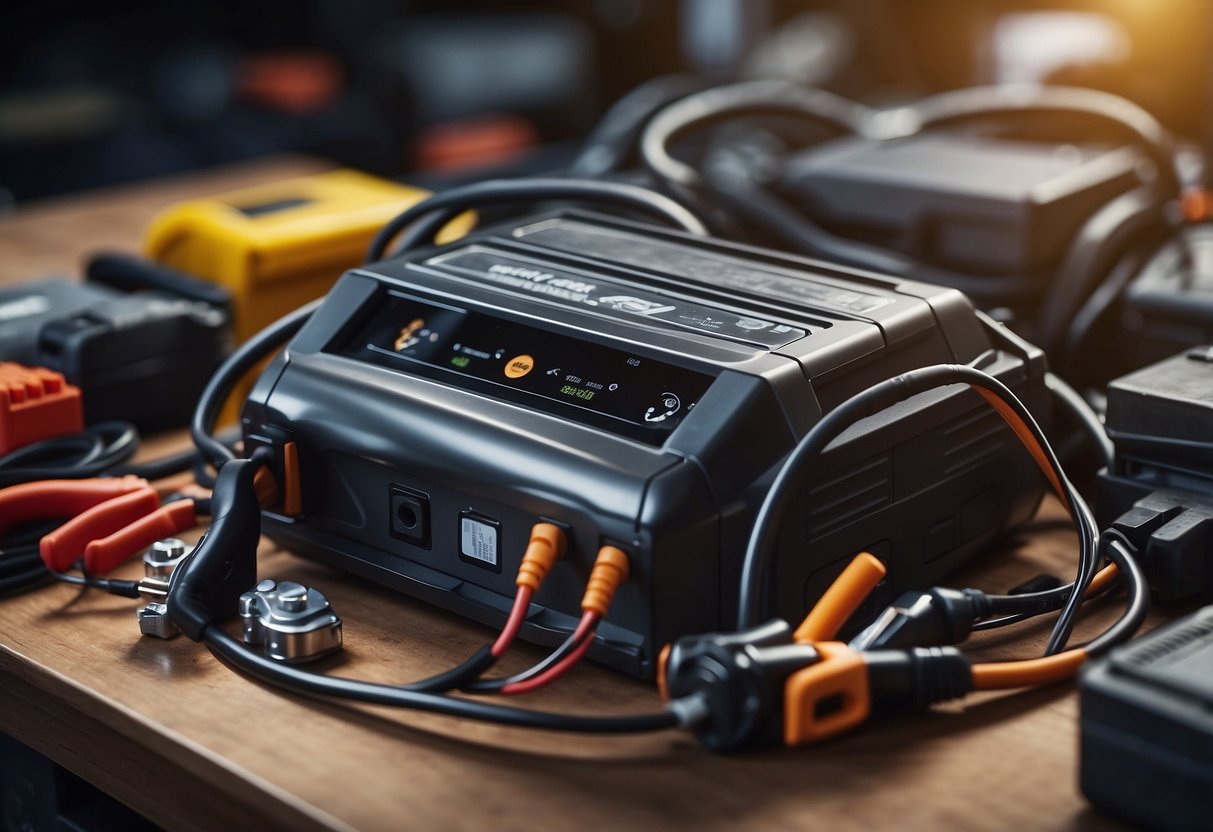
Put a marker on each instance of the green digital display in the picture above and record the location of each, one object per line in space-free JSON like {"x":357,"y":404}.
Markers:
{"x":578,"y":392}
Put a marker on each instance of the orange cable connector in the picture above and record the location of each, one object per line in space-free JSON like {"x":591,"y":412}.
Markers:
{"x":611,"y":570}
{"x":546,"y":546}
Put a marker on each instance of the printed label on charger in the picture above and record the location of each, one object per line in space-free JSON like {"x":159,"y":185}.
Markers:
{"x":618,"y":300}
{"x":478,"y":540}
{"x":712,"y":268}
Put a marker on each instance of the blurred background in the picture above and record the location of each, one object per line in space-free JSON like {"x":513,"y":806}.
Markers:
{"x":101,"y":93}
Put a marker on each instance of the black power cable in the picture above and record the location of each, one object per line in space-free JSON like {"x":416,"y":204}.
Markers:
{"x":77,"y":456}
{"x":314,"y":684}
{"x":1121,"y":552}
{"x":608,"y":146}
{"x":433,"y":213}
{"x":1101,"y":241}
{"x":21,"y":564}
{"x":206,"y":584}
{"x":764,"y":98}
{"x":721,"y":104}
{"x":225,"y":379}
{"x":1083,"y":413}
{"x":794,"y":474}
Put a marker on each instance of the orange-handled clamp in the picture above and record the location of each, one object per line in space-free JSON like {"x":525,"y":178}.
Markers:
{"x":111,"y":519}
{"x":49,"y":499}
{"x":833,"y":695}
{"x":110,"y":552}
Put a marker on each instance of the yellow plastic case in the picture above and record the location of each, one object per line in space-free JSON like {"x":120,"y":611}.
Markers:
{"x":277,"y":246}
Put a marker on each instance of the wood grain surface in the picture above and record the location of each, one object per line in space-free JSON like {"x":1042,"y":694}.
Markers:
{"x":180,"y":737}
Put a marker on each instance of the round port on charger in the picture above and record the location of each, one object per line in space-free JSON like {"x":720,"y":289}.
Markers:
{"x":406,"y":516}
{"x":409,"y":515}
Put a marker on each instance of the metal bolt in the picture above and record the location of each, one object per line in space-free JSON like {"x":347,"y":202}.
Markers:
{"x":164,"y":555}
{"x":168,"y":549}
{"x":292,"y":597}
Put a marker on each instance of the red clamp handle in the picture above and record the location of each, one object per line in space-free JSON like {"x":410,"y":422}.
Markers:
{"x":66,"y":544}
{"x":59,"y":498}
{"x":100,"y":556}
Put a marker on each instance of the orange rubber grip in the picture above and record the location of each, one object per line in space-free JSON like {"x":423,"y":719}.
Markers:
{"x":826,"y":698}
{"x":100,"y":556}
{"x":59,"y":498}
{"x":841,"y":600}
{"x":547,"y":544}
{"x":66,"y":544}
{"x":611,"y":568}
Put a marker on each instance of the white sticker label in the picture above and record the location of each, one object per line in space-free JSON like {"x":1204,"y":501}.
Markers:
{"x":478,"y":540}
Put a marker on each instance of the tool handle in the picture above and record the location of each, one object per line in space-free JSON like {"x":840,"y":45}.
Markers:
{"x":66,"y":544}
{"x":107,"y":553}
{"x":47,"y":499}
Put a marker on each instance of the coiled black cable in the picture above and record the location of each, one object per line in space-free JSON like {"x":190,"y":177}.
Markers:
{"x":21,"y":564}
{"x":76,"y":456}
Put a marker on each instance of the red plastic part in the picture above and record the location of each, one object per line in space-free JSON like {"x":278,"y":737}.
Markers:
{"x":48,"y":499}
{"x":65,"y":545}
{"x":36,"y":404}
{"x":100,"y":556}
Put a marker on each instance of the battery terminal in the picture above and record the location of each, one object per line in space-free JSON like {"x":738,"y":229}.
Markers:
{"x":291,"y":622}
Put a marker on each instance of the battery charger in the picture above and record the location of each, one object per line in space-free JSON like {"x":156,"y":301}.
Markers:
{"x":639,"y":387}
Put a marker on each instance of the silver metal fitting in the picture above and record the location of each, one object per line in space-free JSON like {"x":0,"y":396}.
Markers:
{"x":289,"y":621}
{"x":154,"y":621}
{"x":160,"y":560}
{"x":155,"y":590}
{"x":158,"y":564}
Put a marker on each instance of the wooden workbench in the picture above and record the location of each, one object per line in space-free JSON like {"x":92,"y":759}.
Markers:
{"x":178,"y":736}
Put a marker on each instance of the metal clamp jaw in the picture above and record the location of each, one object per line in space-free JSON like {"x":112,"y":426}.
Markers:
{"x":158,"y":564}
{"x":289,"y":621}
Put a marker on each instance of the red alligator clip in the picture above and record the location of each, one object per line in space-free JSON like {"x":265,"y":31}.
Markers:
{"x":111,"y":519}
{"x":100,"y":556}
{"x":49,"y":499}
